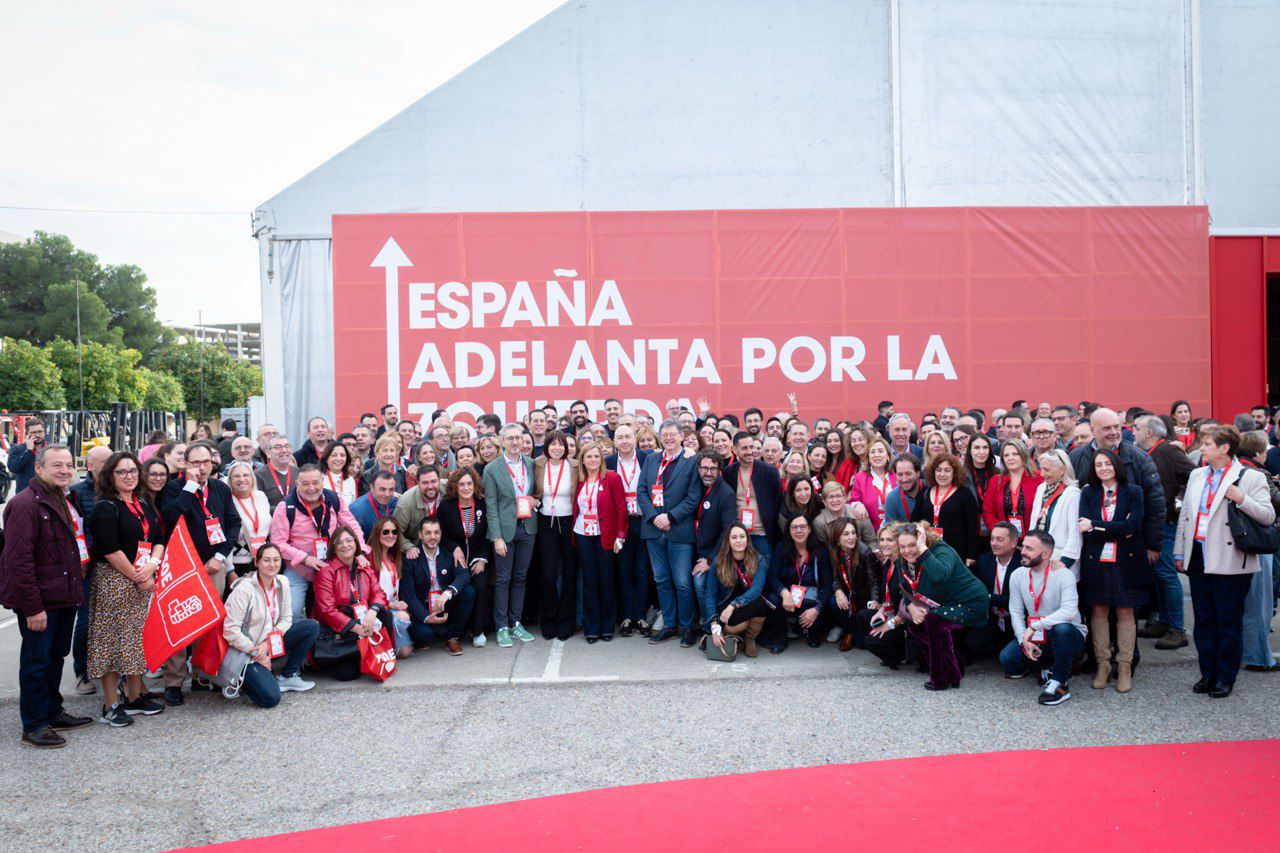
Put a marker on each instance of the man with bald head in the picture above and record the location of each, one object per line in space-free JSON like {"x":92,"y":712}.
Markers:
{"x":85,"y":497}
{"x":1108,"y":433}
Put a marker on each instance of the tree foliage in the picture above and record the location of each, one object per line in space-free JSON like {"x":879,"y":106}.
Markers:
{"x":228,"y":382}
{"x":28,"y":378}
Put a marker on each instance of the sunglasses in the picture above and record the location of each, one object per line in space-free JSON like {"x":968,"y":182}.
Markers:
{"x":389,"y":532}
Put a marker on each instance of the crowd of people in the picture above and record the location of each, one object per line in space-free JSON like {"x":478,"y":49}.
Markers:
{"x":1048,"y":538}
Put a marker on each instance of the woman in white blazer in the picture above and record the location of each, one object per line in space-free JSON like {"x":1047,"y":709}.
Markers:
{"x":1219,"y":572}
{"x":1056,"y":507}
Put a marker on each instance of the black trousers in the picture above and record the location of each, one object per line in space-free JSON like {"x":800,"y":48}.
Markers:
{"x":558,"y":598}
{"x":741,"y":614}
{"x":893,"y":648}
{"x":1218,"y":604}
{"x":987,"y":641}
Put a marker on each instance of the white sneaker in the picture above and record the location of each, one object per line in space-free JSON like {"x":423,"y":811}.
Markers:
{"x":293,"y":684}
{"x":834,"y":635}
{"x":85,"y":687}
{"x":480,"y":641}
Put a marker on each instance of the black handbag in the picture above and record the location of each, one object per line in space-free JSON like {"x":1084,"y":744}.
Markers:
{"x":333,"y":649}
{"x":1250,"y":536}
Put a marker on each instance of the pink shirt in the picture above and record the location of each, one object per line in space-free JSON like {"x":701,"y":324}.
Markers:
{"x":298,"y":543}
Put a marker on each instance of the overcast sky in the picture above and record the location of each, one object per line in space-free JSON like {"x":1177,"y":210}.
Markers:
{"x":181,"y":106}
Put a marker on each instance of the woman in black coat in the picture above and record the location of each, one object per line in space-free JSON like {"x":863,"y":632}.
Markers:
{"x":945,"y":504}
{"x":1114,"y":570}
{"x":464,"y":528}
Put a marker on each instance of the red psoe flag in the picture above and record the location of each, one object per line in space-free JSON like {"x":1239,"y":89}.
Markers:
{"x":184,"y":604}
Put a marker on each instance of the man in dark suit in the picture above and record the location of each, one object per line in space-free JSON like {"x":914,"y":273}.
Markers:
{"x":435,"y":579}
{"x":758,"y":491}
{"x":633,"y":560}
{"x":994,"y":569}
{"x":667,"y":494}
{"x":714,"y":515}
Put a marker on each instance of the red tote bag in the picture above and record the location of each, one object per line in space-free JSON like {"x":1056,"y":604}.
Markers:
{"x":378,"y":655}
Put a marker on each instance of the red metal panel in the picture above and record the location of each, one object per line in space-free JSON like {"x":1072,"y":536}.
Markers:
{"x":1273,"y":254}
{"x":1238,"y":316}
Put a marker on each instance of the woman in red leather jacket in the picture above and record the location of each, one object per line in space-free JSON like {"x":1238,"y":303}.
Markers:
{"x":349,"y":599}
{"x":599,"y":530}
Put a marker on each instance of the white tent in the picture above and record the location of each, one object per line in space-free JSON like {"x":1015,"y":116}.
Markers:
{"x":697,"y":104}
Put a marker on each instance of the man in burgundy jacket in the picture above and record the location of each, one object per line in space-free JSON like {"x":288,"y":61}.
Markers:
{"x":41,"y":579}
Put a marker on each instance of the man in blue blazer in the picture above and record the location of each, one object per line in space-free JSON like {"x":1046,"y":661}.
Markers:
{"x":668,"y":494}
{"x":434,"y":571}
{"x":634,"y":576}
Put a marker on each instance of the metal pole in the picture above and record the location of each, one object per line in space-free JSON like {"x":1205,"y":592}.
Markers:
{"x":200,"y":337}
{"x":79,"y":344}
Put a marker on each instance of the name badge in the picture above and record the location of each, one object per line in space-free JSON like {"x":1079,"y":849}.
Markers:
{"x":797,"y":594}
{"x":590,"y":524}
{"x":213,"y":530}
{"x":1108,"y":552}
{"x":275,"y":644}
{"x":359,"y":611}
{"x":1000,"y":620}
{"x":1202,"y":526}
{"x":256,"y":542}
{"x":1016,"y":521}
{"x":633,"y":505}
{"x":657,"y":494}
{"x":524,"y":506}
{"x":748,"y":519}
{"x":435,"y":600}
{"x":83,"y":546}
{"x":141,"y":558}
{"x":937,"y":531}
{"x":1037,"y":633}
{"x":322,"y":548}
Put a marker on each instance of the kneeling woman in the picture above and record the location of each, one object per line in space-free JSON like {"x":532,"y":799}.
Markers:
{"x":858,"y":584}
{"x":260,"y":623}
{"x":940,"y":596}
{"x":799,"y":586}
{"x":742,"y":607}
{"x":349,"y":604}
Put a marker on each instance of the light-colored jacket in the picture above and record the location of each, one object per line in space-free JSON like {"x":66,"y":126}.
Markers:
{"x":1064,"y":523}
{"x":1221,"y":557}
{"x":248,"y":621}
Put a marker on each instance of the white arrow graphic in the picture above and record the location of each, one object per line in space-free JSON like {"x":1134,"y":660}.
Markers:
{"x":391,"y":258}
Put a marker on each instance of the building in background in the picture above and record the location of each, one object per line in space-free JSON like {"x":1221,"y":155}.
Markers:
{"x":242,"y":340}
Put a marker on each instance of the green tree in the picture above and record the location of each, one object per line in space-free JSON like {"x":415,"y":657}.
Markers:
{"x":28,"y":378}
{"x":160,"y":390}
{"x":31,"y":269}
{"x":101,"y":372}
{"x":228,"y":382}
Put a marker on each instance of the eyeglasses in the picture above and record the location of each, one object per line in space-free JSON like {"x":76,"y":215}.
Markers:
{"x":158,"y":475}
{"x":126,"y":472}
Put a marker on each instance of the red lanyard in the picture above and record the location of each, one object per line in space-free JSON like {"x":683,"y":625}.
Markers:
{"x":1152,"y":451}
{"x":1213,"y":489}
{"x":913,"y":583}
{"x":135,"y":507}
{"x":271,"y":601}
{"x":883,"y":490}
{"x":697,"y":512}
{"x":284,"y":490}
{"x":431,"y":507}
{"x":998,"y":584}
{"x":203,"y":503}
{"x":1049,"y":501}
{"x":329,"y":476}
{"x":937,"y":505}
{"x":622,"y":471}
{"x":801,"y":564}
{"x":906,"y":510}
{"x":520,"y":479}
{"x":559,"y":476}
{"x":379,"y":515}
{"x":847,"y":571}
{"x":1014,"y":494}
{"x":746,"y":486}
{"x":1031,"y":588}
{"x":888,"y":580}
{"x":592,"y":492}
{"x":662,"y":466}
{"x":254,"y":507}
{"x":742,"y":575}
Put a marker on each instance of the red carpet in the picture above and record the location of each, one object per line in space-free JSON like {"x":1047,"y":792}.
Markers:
{"x":1220,"y":796}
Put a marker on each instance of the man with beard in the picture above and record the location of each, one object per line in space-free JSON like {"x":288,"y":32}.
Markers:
{"x":578,"y":417}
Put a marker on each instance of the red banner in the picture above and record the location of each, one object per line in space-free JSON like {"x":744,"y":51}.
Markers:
{"x":184,"y":603}
{"x":479,"y":312}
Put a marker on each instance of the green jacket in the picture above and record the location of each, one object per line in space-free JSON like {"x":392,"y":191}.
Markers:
{"x":500,"y":498}
{"x":947,"y":580}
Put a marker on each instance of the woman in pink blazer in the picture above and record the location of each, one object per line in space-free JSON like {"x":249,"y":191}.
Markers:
{"x":872,"y":484}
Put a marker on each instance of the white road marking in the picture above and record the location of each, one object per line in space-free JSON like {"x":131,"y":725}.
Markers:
{"x":550,"y":673}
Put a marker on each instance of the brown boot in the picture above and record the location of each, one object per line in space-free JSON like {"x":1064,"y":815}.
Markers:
{"x":1100,"y":630}
{"x":1126,"y":638}
{"x":754,"y":627}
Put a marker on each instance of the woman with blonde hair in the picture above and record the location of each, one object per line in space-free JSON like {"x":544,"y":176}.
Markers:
{"x":1009,"y":496}
{"x":742,"y":607}
{"x":937,"y":443}
{"x":794,"y":465}
{"x":873,"y":483}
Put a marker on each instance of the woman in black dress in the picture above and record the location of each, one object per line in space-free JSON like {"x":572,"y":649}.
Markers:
{"x":464,"y":531}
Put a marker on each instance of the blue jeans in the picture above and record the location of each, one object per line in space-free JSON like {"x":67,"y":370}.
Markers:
{"x":260,"y":685}
{"x":40,"y":662}
{"x":673,"y":573}
{"x":1058,"y":653}
{"x":633,"y":574}
{"x":1168,"y":583}
{"x":1257,"y":616}
{"x":298,"y":586}
{"x":80,"y":638}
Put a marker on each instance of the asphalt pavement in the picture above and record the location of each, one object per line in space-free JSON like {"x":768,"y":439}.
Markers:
{"x":496,"y":725}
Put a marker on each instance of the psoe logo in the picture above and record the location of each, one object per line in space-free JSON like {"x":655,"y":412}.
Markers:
{"x":180,"y":611}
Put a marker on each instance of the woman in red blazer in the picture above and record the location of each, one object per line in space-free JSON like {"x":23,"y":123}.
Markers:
{"x":600,"y":530}
{"x":1010,"y":495}
{"x":349,"y":599}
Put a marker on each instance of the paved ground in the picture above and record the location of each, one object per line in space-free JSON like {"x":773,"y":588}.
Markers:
{"x":547,"y":718}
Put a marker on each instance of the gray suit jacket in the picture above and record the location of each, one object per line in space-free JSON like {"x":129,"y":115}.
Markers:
{"x":500,"y":498}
